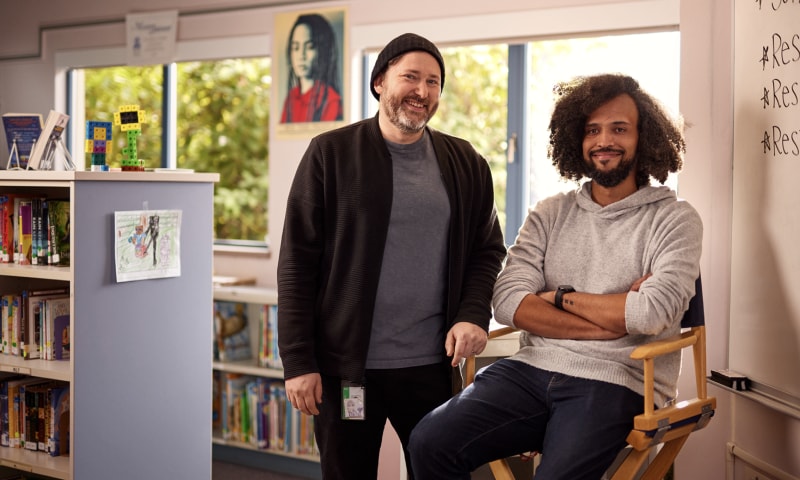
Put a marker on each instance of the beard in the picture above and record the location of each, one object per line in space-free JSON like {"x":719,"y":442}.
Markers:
{"x":613,"y":177}
{"x":400,"y":118}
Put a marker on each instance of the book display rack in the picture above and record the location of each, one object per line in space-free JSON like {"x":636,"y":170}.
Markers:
{"x":250,"y":411}
{"x":137,"y":352}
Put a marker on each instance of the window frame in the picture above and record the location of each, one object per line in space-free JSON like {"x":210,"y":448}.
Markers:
{"x":73,"y":99}
{"x":516,"y":29}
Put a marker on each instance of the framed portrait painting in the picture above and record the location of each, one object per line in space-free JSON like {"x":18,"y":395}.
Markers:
{"x":310,"y":72}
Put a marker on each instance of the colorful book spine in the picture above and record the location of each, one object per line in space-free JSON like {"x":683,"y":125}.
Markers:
{"x":58,"y":443}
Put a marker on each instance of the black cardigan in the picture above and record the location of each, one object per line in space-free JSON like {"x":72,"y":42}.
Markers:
{"x":337,"y":218}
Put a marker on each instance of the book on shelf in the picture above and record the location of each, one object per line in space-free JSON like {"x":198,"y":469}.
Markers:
{"x":303,"y":442}
{"x":6,"y":303}
{"x":216,"y":400}
{"x":255,"y":411}
{"x":34,"y":414}
{"x":59,"y":313}
{"x":24,"y":213}
{"x":254,"y":401}
{"x":231,"y":331}
{"x":38,"y":413}
{"x":58,"y":231}
{"x":4,"y":440}
{"x":44,"y":152}
{"x":58,"y":441}
{"x":22,"y":131}
{"x":7,"y":233}
{"x":279,"y":418}
{"x":51,"y":310}
{"x":232,"y":401}
{"x":268,"y":355}
{"x":11,"y":313}
{"x":33,"y":309}
{"x":29,"y":413}
{"x":16,"y":410}
{"x":39,"y":250}
{"x":34,"y":230}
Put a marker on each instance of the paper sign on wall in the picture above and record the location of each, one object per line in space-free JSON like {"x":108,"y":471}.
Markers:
{"x":151,"y":37}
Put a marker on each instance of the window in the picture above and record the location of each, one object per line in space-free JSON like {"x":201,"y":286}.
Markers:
{"x":552,"y":61}
{"x":223,"y":126}
{"x":473,"y":105}
{"x":214,"y":116}
{"x":107,"y":89}
{"x":500,"y":98}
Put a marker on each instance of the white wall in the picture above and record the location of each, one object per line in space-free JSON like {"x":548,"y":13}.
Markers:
{"x":706,"y":27}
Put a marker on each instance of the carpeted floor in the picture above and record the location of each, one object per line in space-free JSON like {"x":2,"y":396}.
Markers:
{"x":229,"y":471}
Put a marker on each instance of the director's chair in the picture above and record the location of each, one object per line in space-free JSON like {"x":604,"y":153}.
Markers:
{"x":662,"y":430}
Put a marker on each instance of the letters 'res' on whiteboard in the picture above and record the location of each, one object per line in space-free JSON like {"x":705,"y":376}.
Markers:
{"x":765,"y":275}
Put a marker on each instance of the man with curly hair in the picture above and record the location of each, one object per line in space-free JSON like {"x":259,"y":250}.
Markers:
{"x":593,"y":273}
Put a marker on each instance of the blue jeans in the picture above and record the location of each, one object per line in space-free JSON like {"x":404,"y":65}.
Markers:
{"x":578,"y":425}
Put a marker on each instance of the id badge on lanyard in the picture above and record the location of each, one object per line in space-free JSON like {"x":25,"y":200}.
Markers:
{"x":353,"y":401}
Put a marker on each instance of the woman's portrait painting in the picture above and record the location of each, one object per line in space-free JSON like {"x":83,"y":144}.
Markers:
{"x":310,"y":71}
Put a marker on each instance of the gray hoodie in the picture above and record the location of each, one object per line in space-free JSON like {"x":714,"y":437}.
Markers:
{"x":570,"y":239}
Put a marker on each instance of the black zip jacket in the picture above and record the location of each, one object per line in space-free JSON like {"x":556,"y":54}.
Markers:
{"x":337,"y":218}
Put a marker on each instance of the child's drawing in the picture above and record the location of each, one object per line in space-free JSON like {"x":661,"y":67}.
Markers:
{"x":147,"y":244}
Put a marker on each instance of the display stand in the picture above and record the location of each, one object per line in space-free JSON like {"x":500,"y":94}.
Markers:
{"x":13,"y":154}
{"x":49,"y":156}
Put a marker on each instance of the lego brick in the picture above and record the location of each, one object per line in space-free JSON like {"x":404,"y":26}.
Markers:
{"x":100,"y":133}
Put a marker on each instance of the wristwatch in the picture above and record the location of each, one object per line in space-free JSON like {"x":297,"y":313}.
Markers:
{"x":562,"y":289}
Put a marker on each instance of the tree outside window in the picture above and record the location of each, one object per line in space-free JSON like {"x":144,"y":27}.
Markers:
{"x":222,"y":126}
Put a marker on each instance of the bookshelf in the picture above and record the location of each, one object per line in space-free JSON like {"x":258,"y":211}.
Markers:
{"x":138,"y":369}
{"x":255,"y":297}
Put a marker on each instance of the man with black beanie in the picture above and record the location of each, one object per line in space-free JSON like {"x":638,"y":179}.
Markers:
{"x":390,"y":250}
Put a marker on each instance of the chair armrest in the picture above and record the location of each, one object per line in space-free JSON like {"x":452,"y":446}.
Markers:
{"x":469,"y":364}
{"x":695,"y":337}
{"x":501,"y":332}
{"x":662,"y":347}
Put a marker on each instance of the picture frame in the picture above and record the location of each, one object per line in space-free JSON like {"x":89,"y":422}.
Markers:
{"x":310,"y":72}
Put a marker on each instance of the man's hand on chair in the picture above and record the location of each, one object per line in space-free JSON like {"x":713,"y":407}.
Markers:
{"x":464,"y":340}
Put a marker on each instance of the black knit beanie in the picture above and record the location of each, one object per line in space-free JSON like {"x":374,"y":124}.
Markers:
{"x":407,"y":42}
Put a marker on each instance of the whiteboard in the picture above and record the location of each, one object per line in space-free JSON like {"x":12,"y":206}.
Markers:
{"x":765,"y":273}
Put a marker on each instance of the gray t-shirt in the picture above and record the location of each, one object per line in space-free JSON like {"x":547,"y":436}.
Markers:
{"x":409,"y":320}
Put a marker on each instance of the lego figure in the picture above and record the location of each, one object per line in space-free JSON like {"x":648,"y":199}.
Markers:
{"x":98,"y":143}
{"x":130,"y":118}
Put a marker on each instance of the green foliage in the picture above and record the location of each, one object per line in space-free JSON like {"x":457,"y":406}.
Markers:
{"x":223,"y":111}
{"x":107,"y":89}
{"x":222,"y":126}
{"x":474,"y":107}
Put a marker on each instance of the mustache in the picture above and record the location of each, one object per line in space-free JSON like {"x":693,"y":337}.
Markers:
{"x":607,"y":150}
{"x":417,"y":99}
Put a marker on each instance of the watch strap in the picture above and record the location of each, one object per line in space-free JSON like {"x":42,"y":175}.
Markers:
{"x":560,"y":291}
